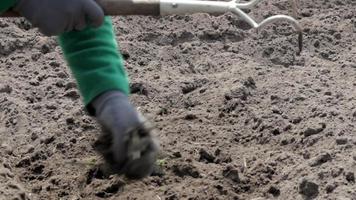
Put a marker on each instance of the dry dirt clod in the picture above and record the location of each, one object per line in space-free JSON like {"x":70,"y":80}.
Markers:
{"x":314,"y":130}
{"x":350,"y":177}
{"x":341,"y":141}
{"x":182,"y":170}
{"x":308,"y":189}
{"x":330,"y":187}
{"x":354,"y":114}
{"x":274,"y":190}
{"x":320,"y":159}
{"x":72,"y":94}
{"x":250,"y":83}
{"x":205,"y":156}
{"x":232,"y":174}
{"x":5,"y":89}
{"x":138,"y":88}
{"x":190,"y":116}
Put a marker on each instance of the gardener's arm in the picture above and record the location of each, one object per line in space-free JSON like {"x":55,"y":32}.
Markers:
{"x":89,"y":46}
{"x":97,"y":65}
{"x":94,"y":59}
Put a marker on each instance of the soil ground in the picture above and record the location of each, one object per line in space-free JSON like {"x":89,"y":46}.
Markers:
{"x":239,"y":115}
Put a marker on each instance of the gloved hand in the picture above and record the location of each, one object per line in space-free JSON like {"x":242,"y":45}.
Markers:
{"x":126,"y":142}
{"x":54,"y":17}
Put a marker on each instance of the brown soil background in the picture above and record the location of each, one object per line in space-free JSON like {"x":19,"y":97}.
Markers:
{"x":238,"y":114}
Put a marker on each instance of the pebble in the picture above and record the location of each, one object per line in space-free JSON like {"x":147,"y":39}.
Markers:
{"x":5,"y":89}
{"x":330,"y":187}
{"x":274,"y":191}
{"x":341,"y":141}
{"x":205,"y":156}
{"x":320,"y":159}
{"x":314,"y":130}
{"x":72,"y":95}
{"x":190,"y":117}
{"x":350,"y":177}
{"x":232,"y":174}
{"x":308,"y":189}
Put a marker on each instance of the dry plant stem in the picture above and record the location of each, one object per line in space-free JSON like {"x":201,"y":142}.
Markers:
{"x":295,"y":6}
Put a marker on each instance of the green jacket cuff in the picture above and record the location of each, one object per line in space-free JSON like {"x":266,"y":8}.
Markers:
{"x":6,"y":4}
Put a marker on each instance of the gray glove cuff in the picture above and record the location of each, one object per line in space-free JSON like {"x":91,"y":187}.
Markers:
{"x":97,"y":105}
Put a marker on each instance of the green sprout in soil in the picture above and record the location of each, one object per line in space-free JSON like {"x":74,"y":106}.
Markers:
{"x":161,"y":162}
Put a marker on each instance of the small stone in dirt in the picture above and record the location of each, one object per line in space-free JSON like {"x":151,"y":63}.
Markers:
{"x":274,"y":191}
{"x":241,"y":93}
{"x":276,"y":110}
{"x":250,"y":83}
{"x":72,"y":95}
{"x":177,"y":154}
{"x":45,"y":48}
{"x":48,"y":140}
{"x":314,"y":130}
{"x":318,"y":160}
{"x":70,"y":85}
{"x":5,"y":89}
{"x":284,"y":142}
{"x":330,"y":187}
{"x":138,"y":88}
{"x":24,"y":163}
{"x":51,"y":106}
{"x":205,"y":156}
{"x":308,"y":189}
{"x":222,"y":157}
{"x":341,"y":141}
{"x":354,"y":114}
{"x":221,"y":189}
{"x":34,"y":136}
{"x":350,"y":177}
{"x":300,"y":98}
{"x":328,"y":93}
{"x":190,"y":116}
{"x":276,"y":131}
{"x":60,"y":83}
{"x":191,"y":86}
{"x":70,"y":121}
{"x":287,"y":128}
{"x":62,"y":75}
{"x":54,"y":64}
{"x":232,"y":174}
{"x":296,"y":120}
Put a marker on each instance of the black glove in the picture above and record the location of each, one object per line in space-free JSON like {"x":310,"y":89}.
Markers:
{"x":54,"y":17}
{"x":126,"y":142}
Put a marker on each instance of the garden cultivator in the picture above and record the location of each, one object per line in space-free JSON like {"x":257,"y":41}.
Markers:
{"x":181,"y":7}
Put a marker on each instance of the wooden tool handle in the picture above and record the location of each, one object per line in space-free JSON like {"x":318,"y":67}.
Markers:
{"x":119,"y":7}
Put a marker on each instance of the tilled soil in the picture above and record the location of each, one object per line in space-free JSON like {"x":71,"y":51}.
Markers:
{"x":239,"y":114}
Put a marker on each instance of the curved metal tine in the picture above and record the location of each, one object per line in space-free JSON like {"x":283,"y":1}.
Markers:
{"x":286,"y":18}
{"x":267,"y":21}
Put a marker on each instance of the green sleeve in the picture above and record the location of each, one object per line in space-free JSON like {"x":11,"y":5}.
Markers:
{"x":95,"y":61}
{"x":6,"y":4}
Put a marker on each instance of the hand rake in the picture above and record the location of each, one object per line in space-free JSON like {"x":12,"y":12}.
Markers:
{"x":181,"y":7}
